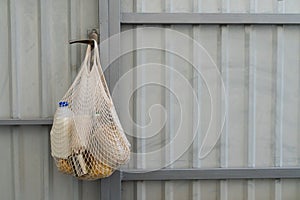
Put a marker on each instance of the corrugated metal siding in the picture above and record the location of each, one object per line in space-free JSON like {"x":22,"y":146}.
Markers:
{"x":260,"y":66}
{"x":262,"y":82}
{"x":37,"y":66}
{"x":260,"y":69}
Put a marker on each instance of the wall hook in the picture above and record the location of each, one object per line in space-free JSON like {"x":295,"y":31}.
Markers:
{"x":93,"y":35}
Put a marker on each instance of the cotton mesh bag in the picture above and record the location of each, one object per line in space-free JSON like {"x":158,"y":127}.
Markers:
{"x":87,"y":139}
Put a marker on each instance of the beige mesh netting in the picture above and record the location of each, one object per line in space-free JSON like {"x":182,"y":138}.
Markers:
{"x":87,"y":140}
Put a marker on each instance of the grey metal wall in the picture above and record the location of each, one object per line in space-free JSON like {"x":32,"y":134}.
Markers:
{"x":37,"y":66}
{"x":260,"y":68}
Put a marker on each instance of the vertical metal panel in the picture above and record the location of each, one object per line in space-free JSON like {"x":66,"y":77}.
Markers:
{"x":6,"y":166}
{"x":250,"y":61}
{"x":111,"y":186}
{"x":210,"y":38}
{"x":266,"y":6}
{"x":140,"y":103}
{"x":265,"y":95}
{"x":213,"y":6}
{"x":197,"y":85}
{"x":114,"y":46}
{"x":264,"y":189}
{"x":126,"y":110}
{"x":5,"y":58}
{"x":168,"y":186}
{"x":280,"y":68}
{"x":37,"y":66}
{"x":237,"y":92}
{"x":27,"y":143}
{"x":239,"y":6}
{"x":291,"y":103}
{"x":7,"y":180}
{"x":292,"y":6}
{"x":236,"y":189}
{"x":290,"y":189}
{"x":45,"y":90}
{"x":224,"y":136}
{"x":290,"y":111}
{"x":179,"y":105}
{"x":26,"y":46}
{"x":223,"y":193}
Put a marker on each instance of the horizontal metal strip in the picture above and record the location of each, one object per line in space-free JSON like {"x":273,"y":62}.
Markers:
{"x":208,"y":18}
{"x":212,"y":174}
{"x":29,"y":122}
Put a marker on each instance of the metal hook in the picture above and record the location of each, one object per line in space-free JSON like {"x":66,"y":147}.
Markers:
{"x":92,"y":36}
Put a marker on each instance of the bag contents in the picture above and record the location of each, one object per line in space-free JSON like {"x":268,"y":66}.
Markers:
{"x":78,"y":164}
{"x":64,"y":166}
{"x":61,"y":131}
{"x":81,"y":164}
{"x":98,"y":169}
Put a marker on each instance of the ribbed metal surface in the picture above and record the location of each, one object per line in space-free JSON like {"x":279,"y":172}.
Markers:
{"x":259,"y":65}
{"x":37,"y":66}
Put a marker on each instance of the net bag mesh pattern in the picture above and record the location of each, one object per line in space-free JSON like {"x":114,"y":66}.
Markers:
{"x":87,"y":139}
